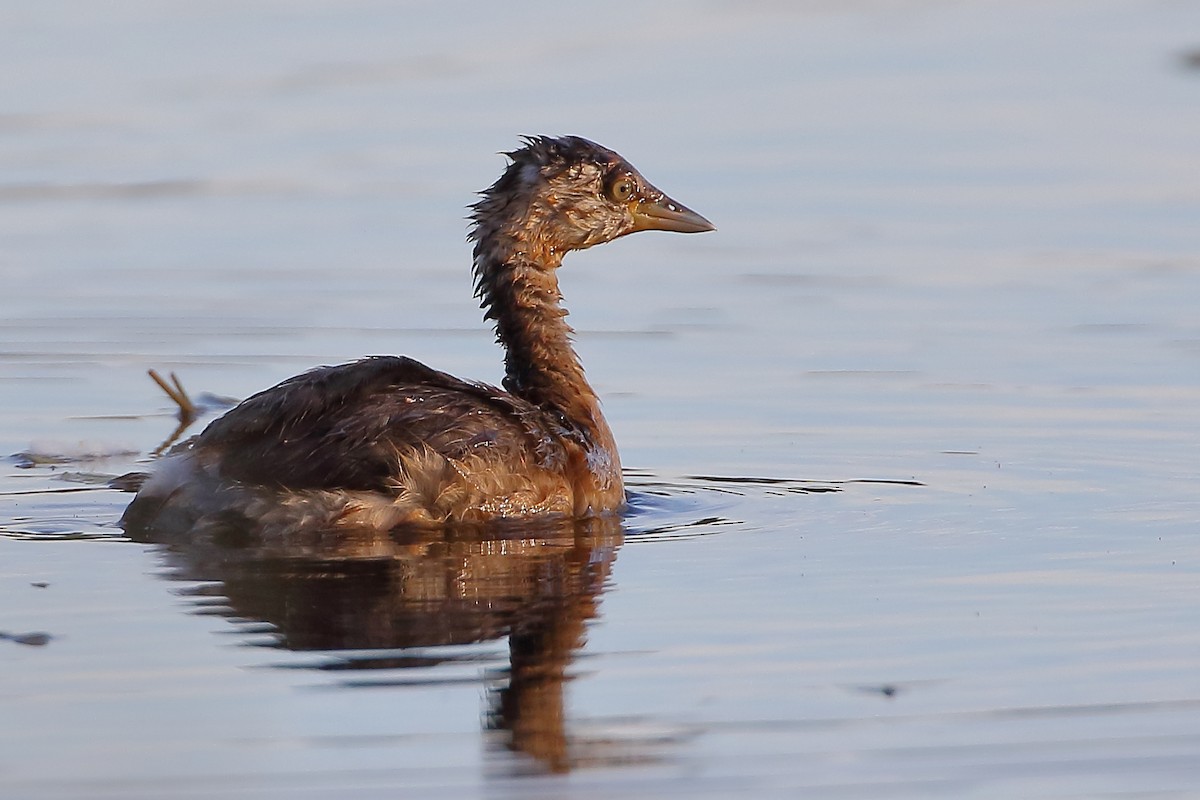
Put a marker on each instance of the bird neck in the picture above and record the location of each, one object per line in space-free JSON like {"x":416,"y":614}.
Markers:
{"x":517,"y":283}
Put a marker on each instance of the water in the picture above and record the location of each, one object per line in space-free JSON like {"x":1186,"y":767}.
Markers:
{"x":912,"y":438}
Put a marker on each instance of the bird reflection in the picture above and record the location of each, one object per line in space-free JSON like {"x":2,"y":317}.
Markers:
{"x":421,"y":588}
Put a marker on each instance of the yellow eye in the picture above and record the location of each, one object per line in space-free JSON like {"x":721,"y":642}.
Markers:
{"x":621,"y":189}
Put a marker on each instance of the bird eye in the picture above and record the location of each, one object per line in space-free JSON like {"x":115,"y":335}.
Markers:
{"x":621,"y":189}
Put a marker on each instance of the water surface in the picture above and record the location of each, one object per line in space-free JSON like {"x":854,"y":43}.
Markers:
{"x":912,"y":438}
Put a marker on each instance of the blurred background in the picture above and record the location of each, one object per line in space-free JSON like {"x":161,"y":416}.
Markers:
{"x":912,"y":436}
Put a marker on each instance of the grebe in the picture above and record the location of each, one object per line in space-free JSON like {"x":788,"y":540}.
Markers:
{"x":388,"y":441}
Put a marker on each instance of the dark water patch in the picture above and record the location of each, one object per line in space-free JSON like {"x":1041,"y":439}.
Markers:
{"x":33,"y":639}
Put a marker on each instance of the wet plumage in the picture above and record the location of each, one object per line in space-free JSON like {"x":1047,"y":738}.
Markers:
{"x":387,"y":440}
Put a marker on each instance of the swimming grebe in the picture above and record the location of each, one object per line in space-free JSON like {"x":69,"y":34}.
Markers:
{"x":387,"y":441}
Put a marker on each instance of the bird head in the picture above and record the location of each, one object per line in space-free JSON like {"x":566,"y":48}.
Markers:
{"x":568,"y":193}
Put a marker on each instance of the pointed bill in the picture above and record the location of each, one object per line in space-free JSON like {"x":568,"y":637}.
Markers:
{"x":654,"y":211}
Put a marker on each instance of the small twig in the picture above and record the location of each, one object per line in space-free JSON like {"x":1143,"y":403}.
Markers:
{"x":187,"y":409}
